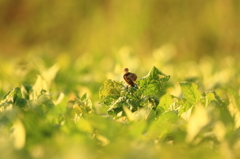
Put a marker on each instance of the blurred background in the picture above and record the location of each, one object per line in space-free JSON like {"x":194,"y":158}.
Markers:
{"x":94,"y":40}
{"x":193,"y":28}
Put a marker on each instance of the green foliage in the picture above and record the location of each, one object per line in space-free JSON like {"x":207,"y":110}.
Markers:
{"x":120,"y":98}
{"x":54,"y":57}
{"x":191,"y":95}
{"x":153,"y":83}
{"x":166,"y":101}
{"x":110,"y":90}
{"x":39,"y":120}
{"x":13,"y":97}
{"x":78,"y":107}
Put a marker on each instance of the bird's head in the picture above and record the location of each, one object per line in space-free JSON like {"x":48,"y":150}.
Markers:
{"x":126,"y":70}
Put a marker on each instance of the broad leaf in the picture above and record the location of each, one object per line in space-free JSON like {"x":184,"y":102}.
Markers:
{"x":153,"y":83}
{"x":197,"y":121}
{"x":166,"y":101}
{"x":191,"y":94}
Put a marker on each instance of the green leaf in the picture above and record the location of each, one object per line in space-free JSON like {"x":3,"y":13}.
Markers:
{"x":84,"y":97}
{"x":234,"y":106}
{"x":12,"y":95}
{"x":166,"y":101}
{"x":21,"y":102}
{"x":199,"y":118}
{"x":50,"y":73}
{"x":42,"y":105}
{"x":212,"y":97}
{"x":149,"y":101}
{"x":155,"y":73}
{"x":129,"y":114}
{"x":79,"y":107}
{"x":190,"y":93}
{"x":153,"y":83}
{"x":164,"y":126}
{"x":118,"y":103}
{"x":40,"y":87}
{"x":109,"y":91}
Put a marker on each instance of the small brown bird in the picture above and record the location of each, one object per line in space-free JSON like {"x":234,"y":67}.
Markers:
{"x":130,"y":78}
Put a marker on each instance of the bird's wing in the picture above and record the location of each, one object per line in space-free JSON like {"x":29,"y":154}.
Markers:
{"x":127,"y":78}
{"x":133,"y":77}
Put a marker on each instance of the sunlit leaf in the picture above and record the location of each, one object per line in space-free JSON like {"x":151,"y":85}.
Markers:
{"x":50,"y":73}
{"x":18,"y":134}
{"x":165,"y":101}
{"x":129,"y":114}
{"x":165,"y":125}
{"x":109,"y":91}
{"x":38,"y":88}
{"x":234,"y":107}
{"x":219,"y":130}
{"x":197,"y":121}
{"x":191,"y":94}
{"x":110,"y":87}
{"x":153,"y":83}
{"x":12,"y":95}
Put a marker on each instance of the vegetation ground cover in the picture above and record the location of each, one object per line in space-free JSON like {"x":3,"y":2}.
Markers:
{"x":53,"y":110}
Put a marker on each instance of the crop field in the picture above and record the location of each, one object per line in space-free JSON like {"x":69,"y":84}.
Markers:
{"x":64,"y":111}
{"x":63,"y":95}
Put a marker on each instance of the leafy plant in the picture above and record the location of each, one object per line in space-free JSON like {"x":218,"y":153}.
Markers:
{"x":37,"y":120}
{"x":120,"y":98}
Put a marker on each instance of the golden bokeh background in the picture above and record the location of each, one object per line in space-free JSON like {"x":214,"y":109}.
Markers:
{"x":193,"y":28}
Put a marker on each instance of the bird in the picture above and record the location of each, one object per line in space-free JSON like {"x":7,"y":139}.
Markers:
{"x":130,"y":78}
